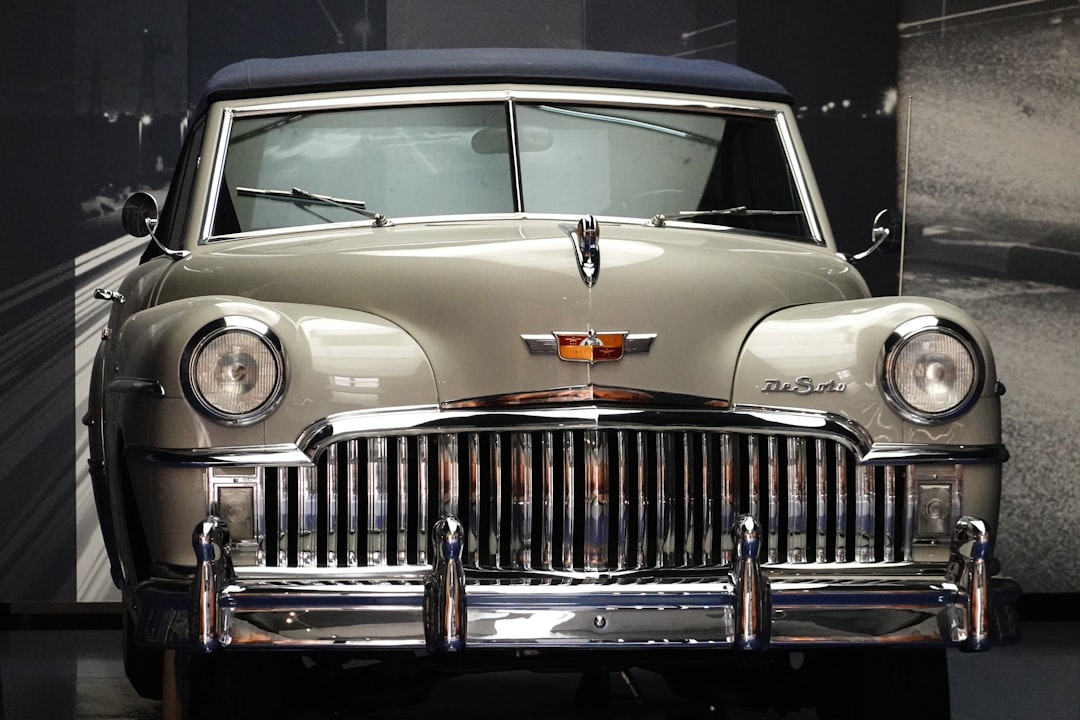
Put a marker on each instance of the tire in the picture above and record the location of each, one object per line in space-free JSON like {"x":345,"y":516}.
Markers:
{"x":882,"y":683}
{"x":143,"y":667}
{"x":239,"y":685}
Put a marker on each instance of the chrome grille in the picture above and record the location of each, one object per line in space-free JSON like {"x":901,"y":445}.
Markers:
{"x":583,"y":499}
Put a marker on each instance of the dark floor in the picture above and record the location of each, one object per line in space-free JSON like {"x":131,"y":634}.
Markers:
{"x":57,"y":675}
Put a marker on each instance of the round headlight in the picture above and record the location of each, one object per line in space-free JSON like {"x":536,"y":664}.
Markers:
{"x":932,"y":374}
{"x":235,"y":373}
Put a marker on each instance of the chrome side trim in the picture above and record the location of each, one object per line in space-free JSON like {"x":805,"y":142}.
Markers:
{"x":136,"y":386}
{"x":280,"y":455}
{"x":916,"y":454}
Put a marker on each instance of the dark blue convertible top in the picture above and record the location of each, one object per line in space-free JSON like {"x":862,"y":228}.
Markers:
{"x":392,"y":68}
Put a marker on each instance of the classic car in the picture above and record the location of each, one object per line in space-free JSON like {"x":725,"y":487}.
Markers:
{"x":486,"y":358}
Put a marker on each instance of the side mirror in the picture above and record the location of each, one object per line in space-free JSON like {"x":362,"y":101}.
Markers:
{"x":883,"y":233}
{"x":140,"y":218}
{"x":140,"y":215}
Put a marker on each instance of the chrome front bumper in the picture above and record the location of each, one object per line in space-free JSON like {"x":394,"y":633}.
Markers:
{"x":441,"y":609}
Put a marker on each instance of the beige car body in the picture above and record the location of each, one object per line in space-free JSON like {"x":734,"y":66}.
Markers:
{"x":424,"y":322}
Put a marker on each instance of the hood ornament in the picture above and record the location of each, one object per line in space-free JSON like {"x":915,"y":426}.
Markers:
{"x":586,"y":240}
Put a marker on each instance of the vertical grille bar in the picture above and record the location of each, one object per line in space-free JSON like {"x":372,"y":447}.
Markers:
{"x":889,"y":550}
{"x":547,"y":501}
{"x":909,"y":514}
{"x":821,"y":506}
{"x":423,"y":493}
{"x":773,"y":480}
{"x":448,"y":483}
{"x":497,"y":495}
{"x":797,"y":500}
{"x":729,"y":462}
{"x":377,"y":491}
{"x":689,"y":507}
{"x":711,"y":465}
{"x":666,"y":497}
{"x":332,"y":499}
{"x":308,"y":498}
{"x":865,"y":502}
{"x":639,"y":481}
{"x":842,"y":488}
{"x":753,"y":500}
{"x":521,"y":502}
{"x":622,"y":512}
{"x":569,"y":508}
{"x":401,"y":509}
{"x":471,"y":474}
{"x":596,"y":506}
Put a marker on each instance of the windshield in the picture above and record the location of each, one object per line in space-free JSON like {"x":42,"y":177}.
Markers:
{"x":384,"y":163}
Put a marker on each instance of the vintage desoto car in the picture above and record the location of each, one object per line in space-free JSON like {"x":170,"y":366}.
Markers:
{"x":447,"y":360}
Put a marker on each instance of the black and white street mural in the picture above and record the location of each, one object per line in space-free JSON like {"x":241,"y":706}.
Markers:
{"x":994,"y":227}
{"x":95,"y":101}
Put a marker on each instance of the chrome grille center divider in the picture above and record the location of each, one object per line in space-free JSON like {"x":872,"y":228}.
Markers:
{"x":583,"y":500}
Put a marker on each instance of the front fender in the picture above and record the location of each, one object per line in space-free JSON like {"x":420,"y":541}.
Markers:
{"x":828,"y":358}
{"x":336,"y":360}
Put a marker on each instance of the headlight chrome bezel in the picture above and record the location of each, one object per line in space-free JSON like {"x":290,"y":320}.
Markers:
{"x":900,"y":339}
{"x":202,"y":340}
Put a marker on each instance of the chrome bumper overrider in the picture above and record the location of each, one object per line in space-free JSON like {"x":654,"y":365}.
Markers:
{"x":439,"y":609}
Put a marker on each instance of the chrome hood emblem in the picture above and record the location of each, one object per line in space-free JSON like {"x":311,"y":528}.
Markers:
{"x":586,"y":240}
{"x":590,"y":346}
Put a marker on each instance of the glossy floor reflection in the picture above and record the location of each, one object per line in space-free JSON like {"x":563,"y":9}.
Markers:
{"x":61,"y":675}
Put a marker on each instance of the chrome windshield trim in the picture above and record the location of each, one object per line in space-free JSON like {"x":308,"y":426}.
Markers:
{"x":798,"y":176}
{"x":508,"y":93}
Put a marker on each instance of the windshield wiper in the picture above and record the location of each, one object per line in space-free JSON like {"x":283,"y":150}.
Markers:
{"x":299,"y":195}
{"x":631,"y":122}
{"x":660,"y":219}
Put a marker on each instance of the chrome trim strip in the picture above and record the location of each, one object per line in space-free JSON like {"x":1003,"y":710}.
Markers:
{"x":278,"y":455}
{"x":515,"y":154}
{"x":136,"y":386}
{"x":911,"y":611}
{"x":915,"y":453}
{"x":431,"y":419}
{"x":799,"y":174}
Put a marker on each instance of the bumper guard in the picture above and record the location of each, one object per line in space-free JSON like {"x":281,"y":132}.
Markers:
{"x":435,"y":609}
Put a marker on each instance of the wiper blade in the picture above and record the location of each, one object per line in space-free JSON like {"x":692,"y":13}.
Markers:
{"x":739,"y":210}
{"x":299,"y":195}
{"x":631,"y":122}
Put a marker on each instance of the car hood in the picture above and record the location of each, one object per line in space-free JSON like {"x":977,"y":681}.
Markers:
{"x":467,"y":292}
